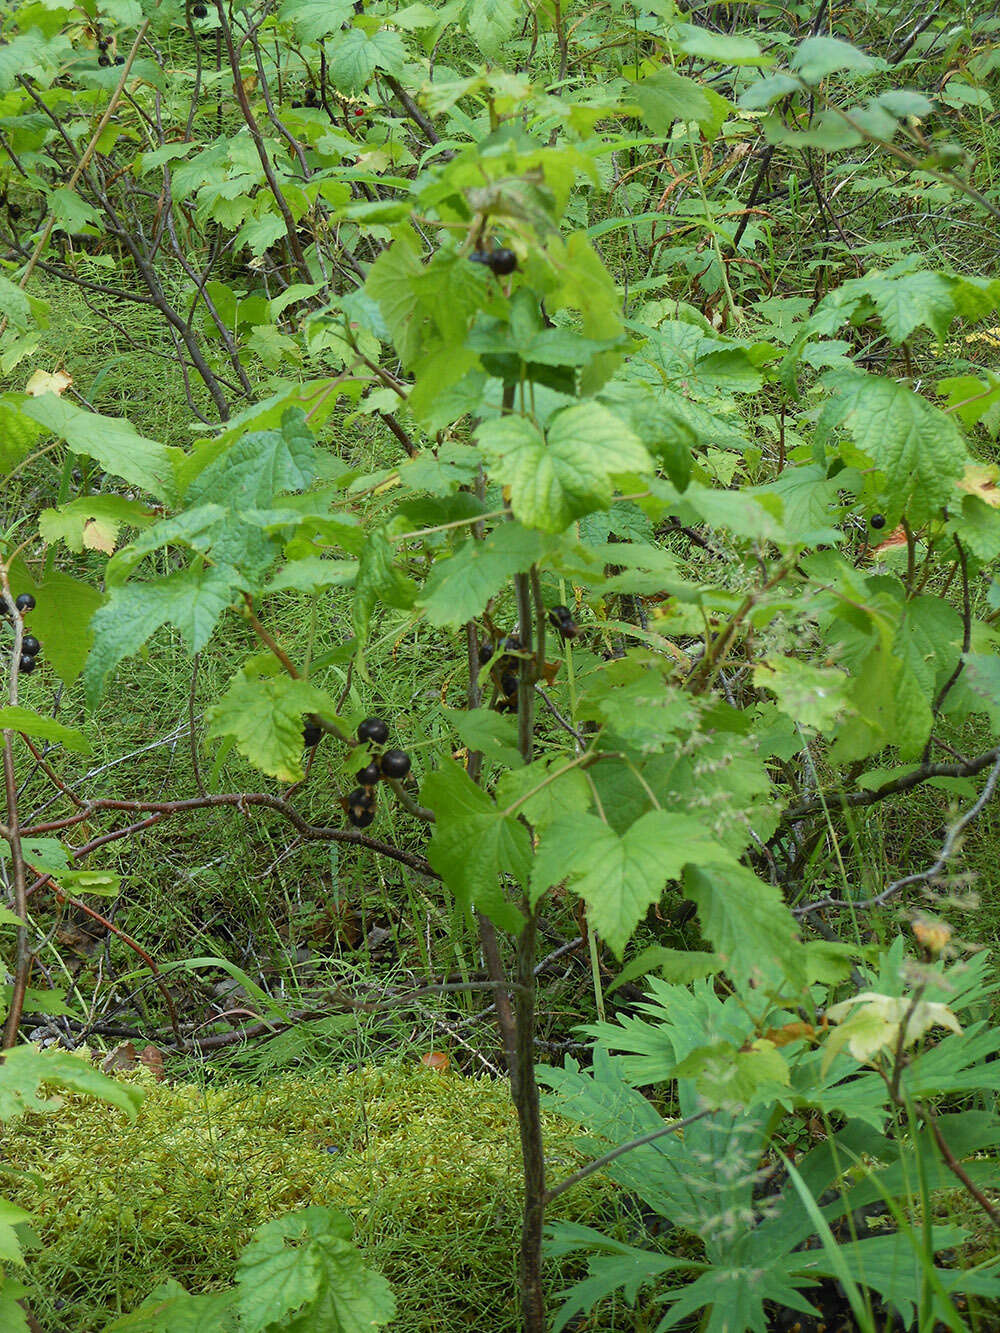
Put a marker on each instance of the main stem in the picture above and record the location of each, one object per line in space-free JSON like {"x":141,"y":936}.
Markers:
{"x":524,"y":1088}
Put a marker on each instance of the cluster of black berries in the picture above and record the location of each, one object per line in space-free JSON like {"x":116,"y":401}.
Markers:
{"x":503,"y":671}
{"x":30,"y":647}
{"x":309,"y":98}
{"x":499,"y":262}
{"x":104,"y":60}
{"x":391,"y":764}
{"x":561,"y":619}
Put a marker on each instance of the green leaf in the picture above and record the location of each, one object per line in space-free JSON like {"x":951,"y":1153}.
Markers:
{"x":678,"y":966}
{"x":475,"y":844}
{"x":667,"y":97}
{"x":459,"y":587}
{"x":811,"y":696}
{"x":916,"y":445}
{"x":356,"y":56}
{"x":313,"y":19}
{"x":110,"y":440}
{"x":258,"y":467}
{"x":556,"y":478}
{"x":302,"y":1273}
{"x":192,"y":599}
{"x":43,"y":728}
{"x":543,"y":792}
{"x":746,"y":921}
{"x":485,"y":730}
{"x":264,"y":715}
{"x":491,"y":23}
{"x":619,"y":876}
{"x":818,"y":57}
{"x":26,"y":1068}
{"x":721,"y":47}
{"x":725,"y":1075}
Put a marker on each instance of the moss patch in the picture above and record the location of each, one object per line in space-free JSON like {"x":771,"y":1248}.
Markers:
{"x":426,"y":1164}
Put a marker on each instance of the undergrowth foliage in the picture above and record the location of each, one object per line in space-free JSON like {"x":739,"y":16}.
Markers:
{"x":713,"y":564}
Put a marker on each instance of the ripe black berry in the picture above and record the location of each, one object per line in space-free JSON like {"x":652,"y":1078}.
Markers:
{"x":508,"y":684}
{"x":512,"y":643}
{"x":368,"y":775}
{"x":560,"y":619}
{"x":360,"y":807}
{"x":103,"y":43}
{"x":395,"y":764}
{"x":373,"y":729}
{"x":24,"y":602}
{"x":30,"y":646}
{"x":877,"y":520}
{"x":485,"y":652}
{"x":502,"y":262}
{"x":199,"y":11}
{"x":310,"y":97}
{"x":103,"y":61}
{"x":311,"y":735}
{"x":26,"y":665}
{"x":119,"y":60}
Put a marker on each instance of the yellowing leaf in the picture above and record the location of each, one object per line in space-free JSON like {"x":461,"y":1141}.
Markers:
{"x":43,"y":382}
{"x":981,"y":479}
{"x":98,"y":536}
{"x":877,"y":1022}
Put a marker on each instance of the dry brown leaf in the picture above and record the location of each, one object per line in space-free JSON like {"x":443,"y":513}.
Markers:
{"x":124,"y":1056}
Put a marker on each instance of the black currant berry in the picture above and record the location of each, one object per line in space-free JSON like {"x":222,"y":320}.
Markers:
{"x":119,"y":60}
{"x":199,"y":11}
{"x":103,"y":61}
{"x":502,"y":262}
{"x":24,"y":602}
{"x":877,"y":520}
{"x":508,"y":684}
{"x":26,"y":665}
{"x":360,"y":807}
{"x":311,"y":735}
{"x":368,"y":775}
{"x":30,"y":646}
{"x":395,"y":764}
{"x":558,"y":613}
{"x":485,"y":652}
{"x":560,"y":619}
{"x":373,"y":729}
{"x":512,"y":643}
{"x":310,"y":97}
{"x":103,"y":43}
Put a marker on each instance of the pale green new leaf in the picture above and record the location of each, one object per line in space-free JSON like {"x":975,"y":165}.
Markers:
{"x":43,"y":728}
{"x":264,"y":715}
{"x":619,"y":876}
{"x":475,"y":844}
{"x":92,"y":522}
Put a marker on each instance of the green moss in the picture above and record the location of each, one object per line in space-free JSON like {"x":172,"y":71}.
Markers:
{"x":426,"y":1164}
